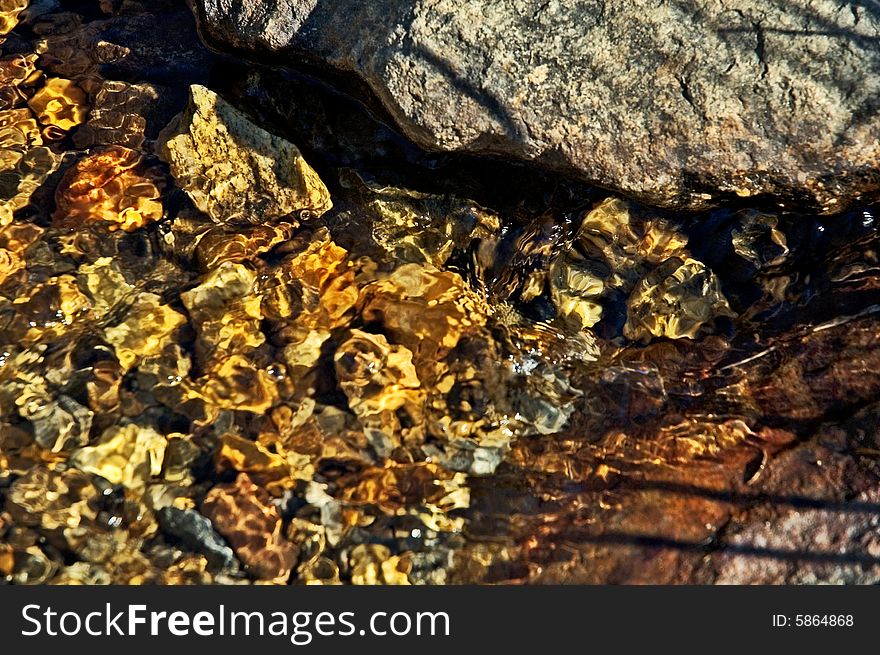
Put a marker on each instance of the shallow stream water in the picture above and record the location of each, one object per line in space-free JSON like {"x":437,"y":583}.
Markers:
{"x":465,"y":371}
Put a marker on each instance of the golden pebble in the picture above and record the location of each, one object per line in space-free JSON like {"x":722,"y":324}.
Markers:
{"x":112,"y":185}
{"x":60,"y":103}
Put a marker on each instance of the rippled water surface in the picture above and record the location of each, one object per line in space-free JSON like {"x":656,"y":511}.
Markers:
{"x":465,"y":371}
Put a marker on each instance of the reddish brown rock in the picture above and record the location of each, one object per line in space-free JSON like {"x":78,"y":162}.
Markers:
{"x":242,"y":512}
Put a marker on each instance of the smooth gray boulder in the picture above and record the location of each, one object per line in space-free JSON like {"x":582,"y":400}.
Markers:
{"x":679,"y":103}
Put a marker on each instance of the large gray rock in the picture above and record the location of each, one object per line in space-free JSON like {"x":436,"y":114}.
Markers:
{"x":677,"y":102}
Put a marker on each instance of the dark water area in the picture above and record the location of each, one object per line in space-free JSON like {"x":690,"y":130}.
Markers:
{"x":465,"y":371}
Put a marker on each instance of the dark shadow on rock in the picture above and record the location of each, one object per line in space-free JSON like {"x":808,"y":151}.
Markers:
{"x":325,"y":15}
{"x":514,"y":128}
{"x":749,"y":500}
{"x":744,"y":550}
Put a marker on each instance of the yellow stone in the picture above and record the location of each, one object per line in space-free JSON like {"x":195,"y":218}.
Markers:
{"x":147,"y":328}
{"x":61,"y":103}
{"x":129,"y":455}
{"x":234,"y":170}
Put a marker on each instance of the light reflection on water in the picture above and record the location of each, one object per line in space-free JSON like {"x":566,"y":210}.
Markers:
{"x":506,"y":377}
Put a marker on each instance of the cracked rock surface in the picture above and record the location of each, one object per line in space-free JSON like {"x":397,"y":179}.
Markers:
{"x":679,"y":103}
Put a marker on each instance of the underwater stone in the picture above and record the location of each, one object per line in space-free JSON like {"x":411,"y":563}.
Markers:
{"x":276,"y":471}
{"x":61,"y":424}
{"x":25,"y":162}
{"x":225,"y":311}
{"x":52,"y":501}
{"x":234,"y":170}
{"x":60,"y":103}
{"x":224,"y":243}
{"x":9,"y":14}
{"x":119,"y":116}
{"x":423,"y":308}
{"x":128,"y":455}
{"x":50,"y":308}
{"x":309,"y":295}
{"x":111,"y":185}
{"x":373,"y":564}
{"x":414,"y":227}
{"x":382,"y":386}
{"x":675,"y":300}
{"x":242,"y":512}
{"x":197,"y":533}
{"x":148,"y":327}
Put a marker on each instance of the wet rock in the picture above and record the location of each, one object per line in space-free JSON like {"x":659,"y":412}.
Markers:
{"x":439,"y":321}
{"x":105,"y":285}
{"x":60,"y":104}
{"x":827,"y":371}
{"x":234,"y":170}
{"x":125,"y":115}
{"x":146,"y":330}
{"x":242,"y":513}
{"x":50,"y":309}
{"x":52,"y":500}
{"x":618,"y":252}
{"x":64,"y":506}
{"x":180,"y":458}
{"x":82,"y":573}
{"x":10,"y":11}
{"x":276,"y":471}
{"x":417,"y":227}
{"x":15,"y":73}
{"x":197,"y":533}
{"x":678,"y":104}
{"x":33,"y":566}
{"x":423,"y":491}
{"x":382,"y":386}
{"x":227,"y":316}
{"x":424,"y":309}
{"x":321,"y":571}
{"x":238,"y":243}
{"x":811,"y":529}
{"x":373,"y":564}
{"x":37,"y":8}
{"x":225,"y":311}
{"x":675,"y":300}
{"x":25,"y":162}
{"x":112,"y":185}
{"x":758,"y":240}
{"x":60,"y":424}
{"x":308,"y":296}
{"x":130,"y":455}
